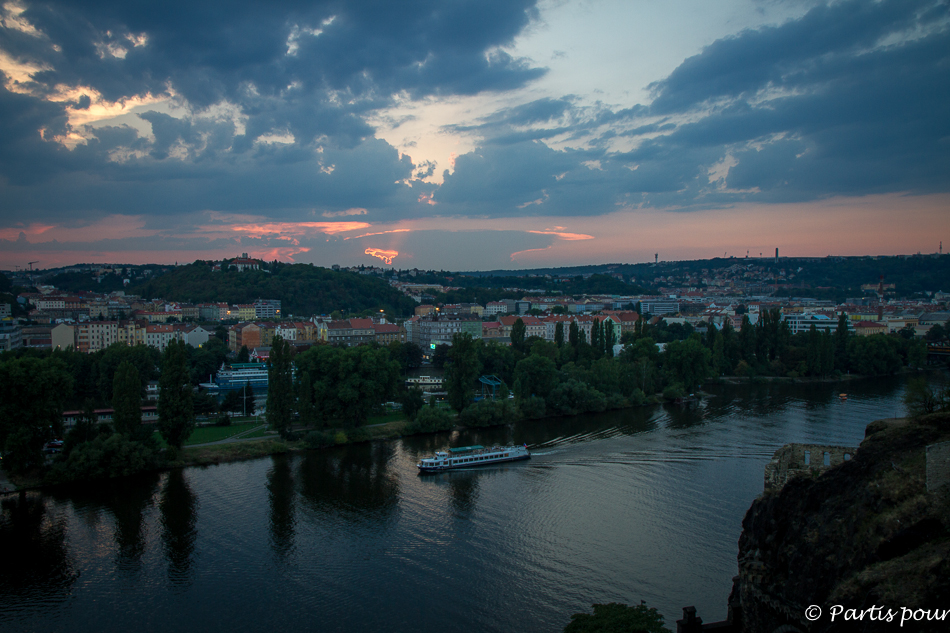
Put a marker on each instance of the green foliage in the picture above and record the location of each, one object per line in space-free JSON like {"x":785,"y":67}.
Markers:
{"x":104,"y":458}
{"x":32,"y":394}
{"x":572,"y":397}
{"x":223,"y":420}
{"x":440,"y":356}
{"x":412,"y":402}
{"x":207,"y":359}
{"x":145,"y":359}
{"x":302,"y":289}
{"x":127,"y":400}
{"x":535,"y":376}
{"x":280,"y":386}
{"x":358,"y":435}
{"x":517,"y":335}
{"x":305,"y":406}
{"x":490,"y":413}
{"x":407,"y":355}
{"x":674,"y":391}
{"x":875,"y":355}
{"x":617,"y":618}
{"x":176,"y":418}
{"x":687,"y":362}
{"x":429,"y":420}
{"x":462,"y":371}
{"x":559,"y":332}
{"x":232,"y":402}
{"x":243,"y":355}
{"x":533,"y":408}
{"x":921,"y":398}
{"x":319,"y":439}
{"x":350,"y":382}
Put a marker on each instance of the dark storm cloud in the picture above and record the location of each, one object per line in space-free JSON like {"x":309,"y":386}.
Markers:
{"x":210,"y":51}
{"x":310,"y":70}
{"x":850,"y":99}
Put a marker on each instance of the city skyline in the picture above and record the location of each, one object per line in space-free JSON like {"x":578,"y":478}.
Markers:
{"x":472,"y":135}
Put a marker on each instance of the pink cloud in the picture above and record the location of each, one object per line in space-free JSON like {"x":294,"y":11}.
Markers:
{"x":353,"y":237}
{"x":386,"y":256}
{"x":298,"y":228}
{"x":570,"y":237}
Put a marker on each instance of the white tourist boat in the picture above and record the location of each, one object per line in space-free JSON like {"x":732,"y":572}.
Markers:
{"x":472,"y":456}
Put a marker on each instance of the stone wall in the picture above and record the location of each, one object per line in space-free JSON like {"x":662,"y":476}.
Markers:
{"x":798,"y":459}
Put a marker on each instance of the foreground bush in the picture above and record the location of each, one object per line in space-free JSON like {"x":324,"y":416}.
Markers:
{"x":430,"y":419}
{"x":105,"y":458}
{"x":616,"y":617}
{"x":573,"y":397}
{"x":490,"y":413}
{"x":533,"y":407}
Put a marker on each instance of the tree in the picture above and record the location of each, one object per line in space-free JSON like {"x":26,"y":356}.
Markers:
{"x":32,"y":394}
{"x":127,"y":401}
{"x":686,"y":362}
{"x":559,"y":333}
{"x":573,"y":335}
{"x":365,"y":378}
{"x":176,"y":417}
{"x":412,"y":402}
{"x":535,"y":376}
{"x":244,"y":355}
{"x":518,"y":331}
{"x":617,"y":618}
{"x":917,"y":353}
{"x":305,"y":409}
{"x":921,"y":399}
{"x":610,"y":338}
{"x":842,"y":334}
{"x":280,"y":386}
{"x":462,"y":370}
{"x":747,"y":343}
{"x":813,"y":353}
{"x":440,"y":355}
{"x":232,"y":402}
{"x":596,"y":339}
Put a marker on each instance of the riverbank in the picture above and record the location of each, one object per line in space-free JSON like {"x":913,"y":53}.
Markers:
{"x":240,"y":449}
{"x":805,"y":380}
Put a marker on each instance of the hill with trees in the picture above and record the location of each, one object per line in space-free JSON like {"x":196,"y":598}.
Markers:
{"x":302,"y":289}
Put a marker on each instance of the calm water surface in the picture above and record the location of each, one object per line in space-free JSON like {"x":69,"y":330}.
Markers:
{"x":644,"y":504}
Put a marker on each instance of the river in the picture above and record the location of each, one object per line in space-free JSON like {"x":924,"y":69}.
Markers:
{"x":642,"y":504}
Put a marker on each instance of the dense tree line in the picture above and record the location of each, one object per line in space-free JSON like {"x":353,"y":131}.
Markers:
{"x":92,"y":374}
{"x":35,"y":391}
{"x":768,"y":348}
{"x":302,"y":289}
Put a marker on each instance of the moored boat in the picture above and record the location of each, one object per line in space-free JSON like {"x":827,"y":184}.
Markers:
{"x":472,"y":456}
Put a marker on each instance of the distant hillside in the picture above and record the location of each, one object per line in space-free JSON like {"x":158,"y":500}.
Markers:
{"x":911,"y":274}
{"x":302,"y":289}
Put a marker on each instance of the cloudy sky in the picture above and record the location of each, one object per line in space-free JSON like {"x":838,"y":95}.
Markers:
{"x":471,"y":134}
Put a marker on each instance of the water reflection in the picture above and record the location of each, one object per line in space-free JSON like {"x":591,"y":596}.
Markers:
{"x":126,"y":500}
{"x":33,"y":553}
{"x":353,"y":481}
{"x":179,"y":512}
{"x":463,"y":490}
{"x":684,"y":416}
{"x":280,"y":494}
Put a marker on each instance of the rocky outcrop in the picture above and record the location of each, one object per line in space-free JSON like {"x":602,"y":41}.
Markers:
{"x":866,"y":533}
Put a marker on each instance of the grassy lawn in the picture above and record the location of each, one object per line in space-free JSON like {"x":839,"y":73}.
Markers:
{"x":215,"y":433}
{"x":382,"y":418}
{"x":204,"y":434}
